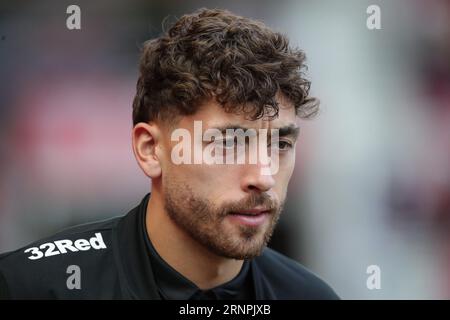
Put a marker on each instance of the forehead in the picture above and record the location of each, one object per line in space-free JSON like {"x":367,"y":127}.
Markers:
{"x":212,"y":114}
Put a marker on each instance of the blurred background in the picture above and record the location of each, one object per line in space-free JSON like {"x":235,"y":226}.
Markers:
{"x":372,"y":179}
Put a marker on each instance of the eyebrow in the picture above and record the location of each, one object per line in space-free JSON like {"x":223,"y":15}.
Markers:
{"x":291,"y":130}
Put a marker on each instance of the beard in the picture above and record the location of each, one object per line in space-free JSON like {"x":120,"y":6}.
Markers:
{"x":205,"y":221}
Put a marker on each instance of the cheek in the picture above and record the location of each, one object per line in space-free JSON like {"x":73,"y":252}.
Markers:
{"x":219,"y":176}
{"x":291,"y":167}
{"x":215,"y":179}
{"x":287,"y":165}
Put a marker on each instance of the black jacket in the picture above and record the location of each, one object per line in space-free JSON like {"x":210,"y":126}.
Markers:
{"x":111,"y":262}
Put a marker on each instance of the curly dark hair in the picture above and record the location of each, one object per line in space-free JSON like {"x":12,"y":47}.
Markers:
{"x":214,"y":53}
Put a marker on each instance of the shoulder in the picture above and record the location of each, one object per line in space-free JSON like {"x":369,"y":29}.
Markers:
{"x":291,"y":280}
{"x":41,"y":269}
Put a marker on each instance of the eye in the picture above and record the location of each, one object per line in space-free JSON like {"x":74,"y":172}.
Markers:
{"x":225,"y":143}
{"x":283,"y":145}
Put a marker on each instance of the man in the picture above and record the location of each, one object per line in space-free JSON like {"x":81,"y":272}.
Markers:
{"x":202,"y":231}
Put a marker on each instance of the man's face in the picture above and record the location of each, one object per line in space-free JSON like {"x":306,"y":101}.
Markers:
{"x":231,"y":209}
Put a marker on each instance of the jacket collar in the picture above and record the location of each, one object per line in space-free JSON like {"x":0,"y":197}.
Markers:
{"x":135,"y":269}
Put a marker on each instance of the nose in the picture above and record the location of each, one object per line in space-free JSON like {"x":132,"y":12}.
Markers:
{"x":254,"y":179}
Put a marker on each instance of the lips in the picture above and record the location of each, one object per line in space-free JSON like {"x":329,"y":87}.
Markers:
{"x":254,"y":217}
{"x":252,"y":212}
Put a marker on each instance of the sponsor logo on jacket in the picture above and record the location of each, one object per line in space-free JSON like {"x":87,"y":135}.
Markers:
{"x":64,"y":246}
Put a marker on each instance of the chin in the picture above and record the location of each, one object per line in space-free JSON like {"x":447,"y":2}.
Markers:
{"x":247,"y":251}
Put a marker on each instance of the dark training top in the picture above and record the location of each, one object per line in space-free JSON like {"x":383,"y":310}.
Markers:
{"x":114,"y":259}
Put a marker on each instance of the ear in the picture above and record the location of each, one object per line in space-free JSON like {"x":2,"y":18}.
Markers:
{"x":146,"y":144}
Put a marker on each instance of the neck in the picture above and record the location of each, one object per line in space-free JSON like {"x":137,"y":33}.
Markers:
{"x":182,"y":252}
